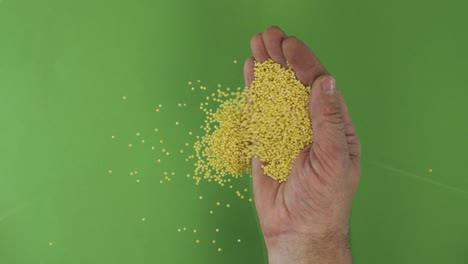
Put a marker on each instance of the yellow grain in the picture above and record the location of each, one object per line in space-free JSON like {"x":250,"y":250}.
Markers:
{"x":269,"y":120}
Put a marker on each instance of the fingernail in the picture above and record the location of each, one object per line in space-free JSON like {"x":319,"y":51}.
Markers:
{"x":329,"y":85}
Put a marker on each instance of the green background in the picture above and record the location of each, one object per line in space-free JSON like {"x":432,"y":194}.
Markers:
{"x":65,"y":66}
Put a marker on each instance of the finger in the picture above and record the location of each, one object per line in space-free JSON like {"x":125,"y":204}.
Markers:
{"x":354,"y":144}
{"x":249,"y":71}
{"x":330,"y":144}
{"x":265,"y":187}
{"x":302,"y":60}
{"x":273,"y":40}
{"x":258,"y":48}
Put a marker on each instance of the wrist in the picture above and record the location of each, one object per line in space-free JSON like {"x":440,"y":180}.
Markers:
{"x":330,"y":246}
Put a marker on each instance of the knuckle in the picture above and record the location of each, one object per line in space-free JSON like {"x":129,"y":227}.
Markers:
{"x":332,"y":114}
{"x":332,"y":109}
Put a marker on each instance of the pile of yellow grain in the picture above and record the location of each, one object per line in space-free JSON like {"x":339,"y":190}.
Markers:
{"x":269,"y":120}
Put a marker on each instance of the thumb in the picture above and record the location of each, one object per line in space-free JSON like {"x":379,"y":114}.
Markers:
{"x":327,"y":121}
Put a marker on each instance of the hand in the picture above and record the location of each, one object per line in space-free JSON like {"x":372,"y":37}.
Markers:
{"x":306,"y":218}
